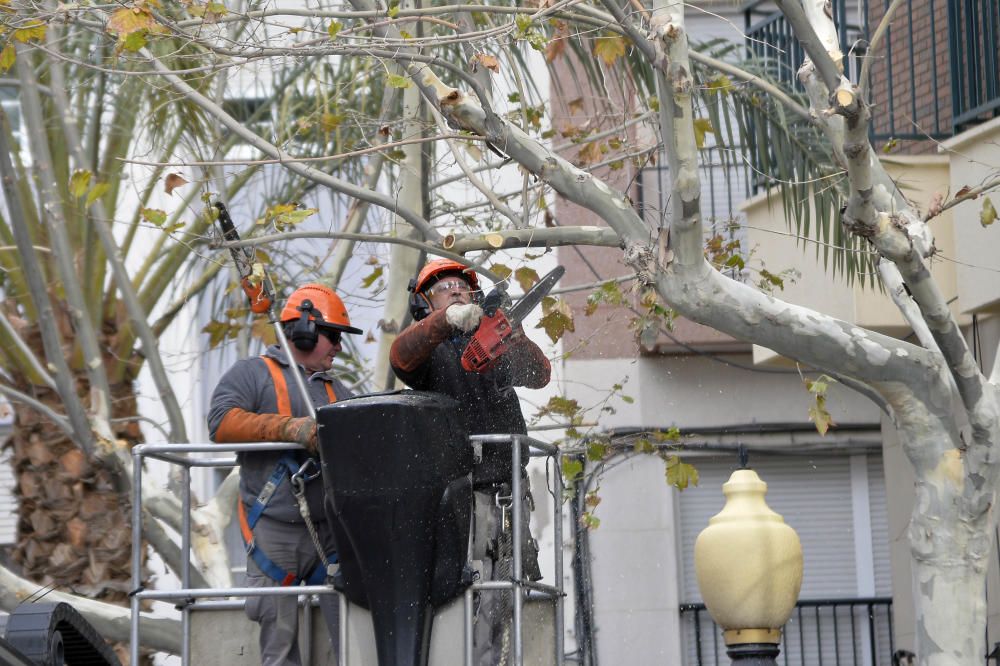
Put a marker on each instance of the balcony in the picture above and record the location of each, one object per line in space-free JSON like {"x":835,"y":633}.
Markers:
{"x":831,"y":632}
{"x":923,"y":89}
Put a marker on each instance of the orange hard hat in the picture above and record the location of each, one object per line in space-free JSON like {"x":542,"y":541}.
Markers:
{"x":328,"y":310}
{"x":434,"y":270}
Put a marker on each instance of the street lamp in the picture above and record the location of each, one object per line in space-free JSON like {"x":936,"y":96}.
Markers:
{"x":749,"y":568}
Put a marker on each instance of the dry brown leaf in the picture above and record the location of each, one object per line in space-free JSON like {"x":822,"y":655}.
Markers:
{"x":575,"y":106}
{"x":38,"y":452}
{"x":76,"y":531}
{"x":589,"y":154}
{"x":488,"y":61}
{"x":172,"y":182}
{"x":74,"y":462}
{"x":557,"y":45}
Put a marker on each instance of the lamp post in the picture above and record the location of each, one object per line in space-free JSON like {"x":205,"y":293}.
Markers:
{"x":749,"y":568}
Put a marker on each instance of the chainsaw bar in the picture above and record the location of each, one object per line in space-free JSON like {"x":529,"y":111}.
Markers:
{"x":534,"y":296}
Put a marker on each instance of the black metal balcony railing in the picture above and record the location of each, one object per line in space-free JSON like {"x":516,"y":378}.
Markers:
{"x":974,"y":35}
{"x":822,"y":632}
{"x":771,"y":41}
{"x":913,"y":71}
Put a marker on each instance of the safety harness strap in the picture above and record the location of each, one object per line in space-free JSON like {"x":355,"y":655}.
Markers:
{"x":287,"y":467}
{"x":267,"y":565}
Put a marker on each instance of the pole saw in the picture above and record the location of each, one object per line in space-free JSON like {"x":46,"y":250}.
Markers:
{"x":260,"y":292}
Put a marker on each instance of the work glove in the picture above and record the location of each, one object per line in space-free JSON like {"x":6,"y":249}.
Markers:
{"x":301,"y":430}
{"x":464,"y":317}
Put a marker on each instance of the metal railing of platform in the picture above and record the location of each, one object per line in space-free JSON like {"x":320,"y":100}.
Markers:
{"x":188,"y":598}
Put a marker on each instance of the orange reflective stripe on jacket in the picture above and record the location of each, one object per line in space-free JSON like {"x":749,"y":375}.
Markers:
{"x":281,"y":387}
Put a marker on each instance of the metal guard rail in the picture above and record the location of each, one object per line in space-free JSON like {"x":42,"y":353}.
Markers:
{"x":869,"y":641}
{"x":187,"y":596}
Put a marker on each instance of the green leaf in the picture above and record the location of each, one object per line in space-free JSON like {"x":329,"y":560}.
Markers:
{"x":397,"y":81}
{"x":561,"y":406}
{"x":609,"y":49}
{"x":96,"y":192}
{"x":155,"y":216}
{"x":702,"y":126}
{"x":7,"y":57}
{"x":79,"y":182}
{"x":627,"y":399}
{"x":597,"y":451}
{"x":643,"y":445}
{"x":589,"y":521}
{"x":820,"y":416}
{"x":134,"y":41}
{"x":668,"y":435}
{"x":288,"y":215}
{"x":219,"y":331}
{"x":502,"y":271}
{"x":526,"y":277}
{"x":989,"y":214}
{"x":679,"y":474}
{"x":32,"y":30}
{"x":334,"y":28}
{"x":375,"y":274}
{"x":394,"y":11}
{"x":818,"y":413}
{"x":557,"y":321}
{"x":720,"y":84}
{"x":572,"y":468}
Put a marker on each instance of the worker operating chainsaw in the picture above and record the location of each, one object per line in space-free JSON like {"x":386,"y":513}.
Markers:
{"x":281,"y":509}
{"x":447,"y":306}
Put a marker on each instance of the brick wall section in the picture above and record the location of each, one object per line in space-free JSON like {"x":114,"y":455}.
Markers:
{"x":915,"y":98}
{"x":603,"y":334}
{"x":606,"y":333}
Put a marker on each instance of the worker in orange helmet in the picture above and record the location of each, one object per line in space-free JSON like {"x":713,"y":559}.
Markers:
{"x":445,"y":304}
{"x":253,"y":403}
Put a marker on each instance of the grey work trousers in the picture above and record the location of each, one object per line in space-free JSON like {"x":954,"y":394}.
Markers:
{"x":290,"y":547}
{"x":492,"y":637}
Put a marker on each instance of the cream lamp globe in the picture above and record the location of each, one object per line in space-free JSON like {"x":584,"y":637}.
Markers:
{"x":748,"y":562}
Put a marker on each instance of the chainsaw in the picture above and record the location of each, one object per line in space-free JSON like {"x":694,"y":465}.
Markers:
{"x":501,"y":323}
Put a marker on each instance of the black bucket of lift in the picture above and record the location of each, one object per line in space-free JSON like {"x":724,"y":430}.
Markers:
{"x":397,"y":474}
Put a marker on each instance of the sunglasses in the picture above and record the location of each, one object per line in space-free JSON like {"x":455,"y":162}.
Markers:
{"x":332,"y":336}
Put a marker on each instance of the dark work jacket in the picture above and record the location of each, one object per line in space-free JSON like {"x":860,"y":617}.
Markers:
{"x":427,"y":356}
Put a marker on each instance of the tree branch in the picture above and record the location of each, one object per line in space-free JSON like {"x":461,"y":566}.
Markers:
{"x":137,"y":314}
{"x":320,"y":178}
{"x":54,"y":221}
{"x":111,"y":622}
{"x":82,"y":433}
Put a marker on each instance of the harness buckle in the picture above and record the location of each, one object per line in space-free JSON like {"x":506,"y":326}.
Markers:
{"x":304,"y":475}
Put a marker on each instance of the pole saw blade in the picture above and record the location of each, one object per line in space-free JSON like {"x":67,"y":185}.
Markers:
{"x":254,"y":282}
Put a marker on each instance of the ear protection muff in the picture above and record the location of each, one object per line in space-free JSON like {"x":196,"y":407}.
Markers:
{"x":420,"y":307}
{"x":303,"y":334}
